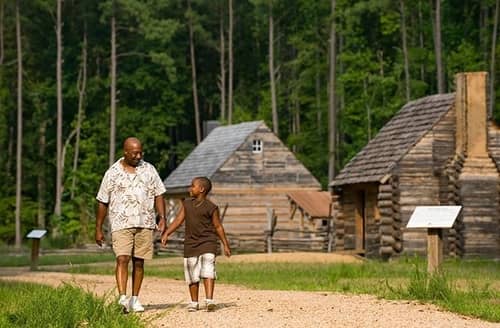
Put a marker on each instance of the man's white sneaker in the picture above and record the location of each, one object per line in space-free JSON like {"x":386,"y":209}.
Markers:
{"x":192,"y":307}
{"x":124,"y":302}
{"x":135,"y":305}
{"x":210,"y":305}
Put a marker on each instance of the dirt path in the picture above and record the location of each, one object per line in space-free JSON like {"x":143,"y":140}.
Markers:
{"x":165,"y":302}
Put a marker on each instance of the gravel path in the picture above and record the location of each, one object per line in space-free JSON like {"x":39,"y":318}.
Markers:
{"x":165,"y":301}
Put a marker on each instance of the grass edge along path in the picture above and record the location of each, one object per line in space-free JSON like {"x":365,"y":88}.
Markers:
{"x":463,"y":287}
{"x":34,"y":305}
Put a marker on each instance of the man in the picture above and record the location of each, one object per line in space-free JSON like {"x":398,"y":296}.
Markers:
{"x":129,"y":193}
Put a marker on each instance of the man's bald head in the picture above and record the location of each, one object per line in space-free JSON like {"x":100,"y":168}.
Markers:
{"x":132,"y":151}
{"x":131,"y":142}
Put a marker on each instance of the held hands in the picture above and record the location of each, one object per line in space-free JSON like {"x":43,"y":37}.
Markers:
{"x":161,"y":226}
{"x":164,"y":238}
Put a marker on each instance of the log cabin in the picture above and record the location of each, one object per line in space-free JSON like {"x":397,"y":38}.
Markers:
{"x":251,"y":171}
{"x":437,"y":150}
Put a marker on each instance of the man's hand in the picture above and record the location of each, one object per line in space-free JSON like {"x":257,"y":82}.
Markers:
{"x":162,"y":225}
{"x":99,"y":237}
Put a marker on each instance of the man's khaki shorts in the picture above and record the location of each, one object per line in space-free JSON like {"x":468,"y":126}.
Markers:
{"x":136,"y":242}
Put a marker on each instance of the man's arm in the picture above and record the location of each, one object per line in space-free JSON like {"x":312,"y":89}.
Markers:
{"x":219,"y":229}
{"x":160,"y":211}
{"x":102,"y":210}
{"x":179,"y":219}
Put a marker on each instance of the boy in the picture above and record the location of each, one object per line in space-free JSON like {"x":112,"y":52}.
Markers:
{"x":203,"y":226}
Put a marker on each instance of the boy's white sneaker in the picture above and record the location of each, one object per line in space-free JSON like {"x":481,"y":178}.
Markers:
{"x":135,"y":305}
{"x":192,"y":306}
{"x":210,"y":305}
{"x":124,"y":302}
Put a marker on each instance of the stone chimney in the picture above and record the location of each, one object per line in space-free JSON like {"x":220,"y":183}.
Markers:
{"x":478,"y":178}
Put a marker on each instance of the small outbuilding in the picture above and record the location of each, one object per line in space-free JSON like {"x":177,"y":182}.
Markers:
{"x":252,"y":172}
{"x":437,"y":150}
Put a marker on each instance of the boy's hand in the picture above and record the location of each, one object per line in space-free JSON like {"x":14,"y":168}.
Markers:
{"x":164,"y":239}
{"x":227,"y":251}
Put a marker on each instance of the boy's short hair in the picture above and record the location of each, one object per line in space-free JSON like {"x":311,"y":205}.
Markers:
{"x":206,"y":183}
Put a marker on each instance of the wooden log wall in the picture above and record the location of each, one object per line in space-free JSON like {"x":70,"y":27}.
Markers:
{"x":422,"y":180}
{"x":372,"y":221}
{"x":338,"y":220}
{"x":390,"y":219}
{"x":418,"y":187}
{"x":454,"y":244}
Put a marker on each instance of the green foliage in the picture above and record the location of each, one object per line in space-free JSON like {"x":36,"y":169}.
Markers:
{"x":155,"y":100}
{"x":65,"y":306}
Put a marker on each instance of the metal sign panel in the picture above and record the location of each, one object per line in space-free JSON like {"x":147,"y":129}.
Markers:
{"x":36,"y":234}
{"x":433,"y":216}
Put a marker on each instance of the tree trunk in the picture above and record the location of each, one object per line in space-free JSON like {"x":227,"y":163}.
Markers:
{"x":19,"y":146}
{"x":405,"y":51}
{"x":112,"y":108}
{"x":437,"y":46}
{"x":332,"y":127}
{"x":421,"y":38}
{"x":1,"y":31}
{"x":81,"y":86}
{"x":492,"y":61}
{"x":272,"y":81}
{"x":222,"y":80}
{"x":193,"y":75}
{"x":41,"y":182}
{"x":318,"y":92}
{"x":59,"y":172}
{"x":231,"y":64}
{"x":368,"y":109}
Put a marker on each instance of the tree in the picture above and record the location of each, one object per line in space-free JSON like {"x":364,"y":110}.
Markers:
{"x":332,"y":119}
{"x":112,"y":107}
{"x":19,"y":145}
{"x":436,"y":24}
{"x":272,"y":71}
{"x":405,"y":51}
{"x":222,"y":64}
{"x":59,"y":72}
{"x":1,"y":32}
{"x":231,"y":65}
{"x":81,"y":86}
{"x":193,"y":73}
{"x":492,"y":61}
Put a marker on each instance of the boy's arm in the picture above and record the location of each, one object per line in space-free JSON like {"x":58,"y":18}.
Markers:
{"x":179,"y":219}
{"x":219,"y":229}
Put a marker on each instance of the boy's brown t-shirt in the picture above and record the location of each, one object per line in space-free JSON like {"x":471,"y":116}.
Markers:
{"x":200,"y":236}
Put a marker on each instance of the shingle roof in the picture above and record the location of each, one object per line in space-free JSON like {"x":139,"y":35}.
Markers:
{"x":394,"y":140}
{"x":316,"y":204}
{"x":211,"y":153}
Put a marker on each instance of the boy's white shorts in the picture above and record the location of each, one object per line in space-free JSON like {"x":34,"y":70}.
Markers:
{"x":198,"y":267}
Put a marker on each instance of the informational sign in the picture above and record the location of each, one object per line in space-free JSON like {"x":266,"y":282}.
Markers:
{"x":36,"y":234}
{"x":433,"y":216}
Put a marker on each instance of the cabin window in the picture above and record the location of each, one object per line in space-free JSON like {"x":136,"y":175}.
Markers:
{"x":257,"y":146}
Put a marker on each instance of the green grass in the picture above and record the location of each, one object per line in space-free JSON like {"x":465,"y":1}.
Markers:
{"x":55,"y":259}
{"x":31,"y":305}
{"x":469,"y":287}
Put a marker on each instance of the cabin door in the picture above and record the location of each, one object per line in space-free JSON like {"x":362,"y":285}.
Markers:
{"x":360,"y":220}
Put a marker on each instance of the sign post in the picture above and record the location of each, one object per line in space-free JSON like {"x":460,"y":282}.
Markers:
{"x":435,"y":219}
{"x":35,"y":236}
